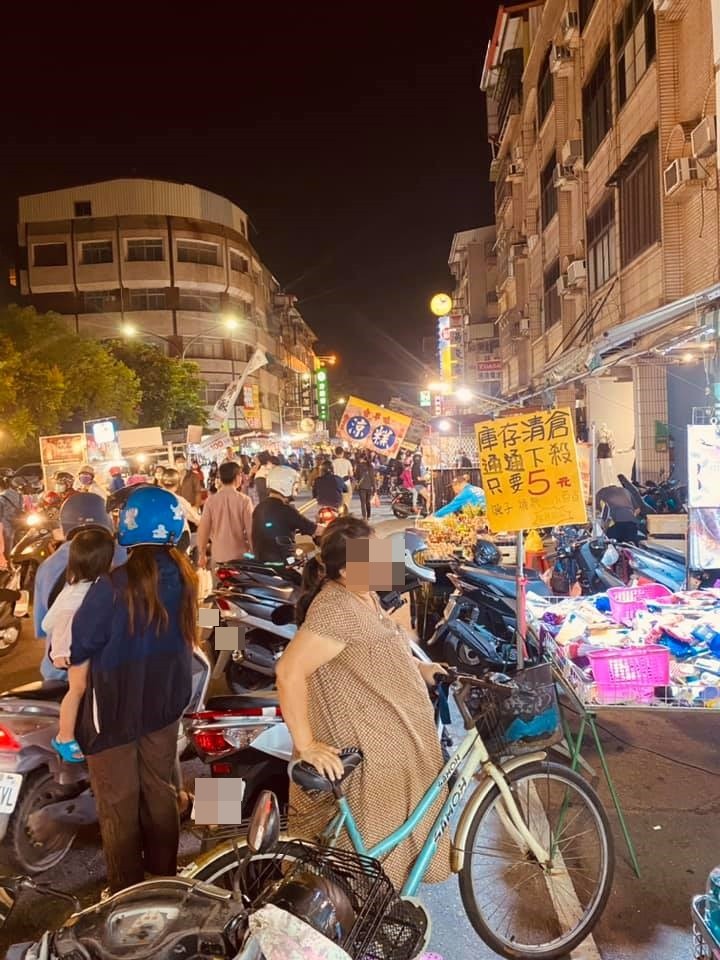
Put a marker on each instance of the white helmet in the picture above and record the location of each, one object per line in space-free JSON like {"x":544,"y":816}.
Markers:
{"x":282,"y":480}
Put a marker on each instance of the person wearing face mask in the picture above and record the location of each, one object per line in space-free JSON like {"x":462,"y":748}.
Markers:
{"x":189,"y":484}
{"x":62,"y":484}
{"x":86,"y":482}
{"x":348,"y":677}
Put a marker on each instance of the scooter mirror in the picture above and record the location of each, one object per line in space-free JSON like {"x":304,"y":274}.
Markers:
{"x":8,"y":897}
{"x":264,"y":828}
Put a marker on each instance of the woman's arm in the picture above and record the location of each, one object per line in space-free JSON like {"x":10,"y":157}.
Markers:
{"x":306,"y":653}
{"x":91,"y":624}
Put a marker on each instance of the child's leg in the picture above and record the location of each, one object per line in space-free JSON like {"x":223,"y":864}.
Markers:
{"x":77,"y":680}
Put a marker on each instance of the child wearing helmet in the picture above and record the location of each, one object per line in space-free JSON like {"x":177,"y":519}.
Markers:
{"x":91,"y":556}
{"x":136,"y":631}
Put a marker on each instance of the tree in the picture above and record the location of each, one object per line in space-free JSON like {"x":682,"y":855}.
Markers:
{"x":51,"y":379}
{"x":171,"y":388}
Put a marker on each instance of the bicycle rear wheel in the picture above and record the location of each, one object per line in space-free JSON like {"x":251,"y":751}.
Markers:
{"x":522,"y":908}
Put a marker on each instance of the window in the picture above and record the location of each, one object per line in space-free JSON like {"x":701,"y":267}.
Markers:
{"x":197,"y":251}
{"x":205,"y":303}
{"x":548,"y":193}
{"x":545,"y":88}
{"x":585,"y":11}
{"x":238,"y":262}
{"x":83,"y":208}
{"x":552,"y":310}
{"x":634,"y":45}
{"x":100,"y":301}
{"x":213,"y":391}
{"x":145,"y":248}
{"x":491,"y":296}
{"x":601,"y":243}
{"x":49,"y":254}
{"x":96,"y":251}
{"x":146,"y":299}
{"x":597,"y":106}
{"x":640,"y":202}
{"x":209,"y":348}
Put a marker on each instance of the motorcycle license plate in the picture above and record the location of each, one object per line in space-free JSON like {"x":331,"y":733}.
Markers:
{"x":10,"y":784}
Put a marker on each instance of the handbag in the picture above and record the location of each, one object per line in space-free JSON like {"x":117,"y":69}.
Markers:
{"x":375,"y":502}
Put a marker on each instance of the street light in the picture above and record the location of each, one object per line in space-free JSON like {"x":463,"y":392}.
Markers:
{"x":464,"y":395}
{"x":230,"y":323}
{"x":330,"y":360}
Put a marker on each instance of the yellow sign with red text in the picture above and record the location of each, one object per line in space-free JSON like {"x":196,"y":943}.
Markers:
{"x":530,"y":471}
{"x":365,"y":424}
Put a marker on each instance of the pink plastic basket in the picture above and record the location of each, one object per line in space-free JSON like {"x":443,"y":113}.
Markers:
{"x":630,"y":674}
{"x":626,"y":601}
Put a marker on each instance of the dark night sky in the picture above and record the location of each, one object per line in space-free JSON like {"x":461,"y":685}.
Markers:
{"x":354,"y":139}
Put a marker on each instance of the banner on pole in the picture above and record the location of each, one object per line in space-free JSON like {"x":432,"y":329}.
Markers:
{"x":530,"y":471}
{"x":221,"y":410}
{"x":214,"y":447}
{"x":376,"y":428}
{"x":703,"y":466}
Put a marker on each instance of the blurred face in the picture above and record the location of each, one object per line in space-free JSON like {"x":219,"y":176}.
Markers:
{"x":457,"y":486}
{"x":85,"y":479}
{"x":180,"y":463}
{"x":373,"y":564}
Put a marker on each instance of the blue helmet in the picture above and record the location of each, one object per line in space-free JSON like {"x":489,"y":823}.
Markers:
{"x":150,"y":516}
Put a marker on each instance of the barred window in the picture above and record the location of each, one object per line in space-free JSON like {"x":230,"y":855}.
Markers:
{"x":552,"y":311}
{"x":548,"y":193}
{"x":640,"y":202}
{"x":597,"y":106}
{"x":146,"y":299}
{"x":145,"y":248}
{"x":634,"y":45}
{"x":601,"y":243}
{"x":545,"y":88}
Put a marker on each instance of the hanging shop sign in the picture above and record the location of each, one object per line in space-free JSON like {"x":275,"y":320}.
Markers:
{"x":323,"y":396}
{"x":530,"y":471}
{"x":367,"y":425}
{"x":214,"y":447}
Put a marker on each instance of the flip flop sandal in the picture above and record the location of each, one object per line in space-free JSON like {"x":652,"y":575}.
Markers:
{"x":70,"y":751}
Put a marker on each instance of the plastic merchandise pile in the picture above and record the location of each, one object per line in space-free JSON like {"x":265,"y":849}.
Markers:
{"x":635,"y":645}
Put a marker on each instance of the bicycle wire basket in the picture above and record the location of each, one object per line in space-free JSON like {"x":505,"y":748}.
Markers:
{"x":519,"y":716}
{"x":383,"y":926}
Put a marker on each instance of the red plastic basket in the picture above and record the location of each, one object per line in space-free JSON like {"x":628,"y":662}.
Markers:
{"x":630,"y":674}
{"x":626,"y":601}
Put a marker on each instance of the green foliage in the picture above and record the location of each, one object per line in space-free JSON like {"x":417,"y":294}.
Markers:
{"x":51,"y":379}
{"x":171,"y":388}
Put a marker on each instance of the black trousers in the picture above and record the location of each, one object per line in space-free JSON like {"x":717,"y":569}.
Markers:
{"x":137,"y":807}
{"x":365,"y":502}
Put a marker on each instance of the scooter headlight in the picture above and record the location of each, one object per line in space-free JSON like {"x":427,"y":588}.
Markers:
{"x":34,"y":519}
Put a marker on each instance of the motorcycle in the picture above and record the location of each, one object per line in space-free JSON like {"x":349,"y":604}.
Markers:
{"x":654,"y":564}
{"x":292,"y":899}
{"x":582,"y":560}
{"x":43,"y":801}
{"x":34,"y":545}
{"x":402,"y":507}
{"x":14,"y":604}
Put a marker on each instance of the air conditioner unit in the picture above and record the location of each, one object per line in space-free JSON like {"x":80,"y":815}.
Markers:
{"x":560,"y":58}
{"x":561,"y":285}
{"x":524,"y":326}
{"x":517,"y":251}
{"x":570,"y":27}
{"x":563,"y":176}
{"x":576,"y":273}
{"x":515,"y":171}
{"x":682,"y":171}
{"x":704,"y":138}
{"x":572,"y":151}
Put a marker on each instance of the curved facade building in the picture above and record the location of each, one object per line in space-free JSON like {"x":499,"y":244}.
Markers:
{"x":171,"y":262}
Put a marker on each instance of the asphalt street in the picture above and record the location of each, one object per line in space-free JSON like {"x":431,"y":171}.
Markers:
{"x":666,"y":767}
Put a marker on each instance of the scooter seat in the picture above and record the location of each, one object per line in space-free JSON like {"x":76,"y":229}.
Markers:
{"x":48,"y":690}
{"x":501,"y":579}
{"x":308,"y":778}
{"x":238,"y":701}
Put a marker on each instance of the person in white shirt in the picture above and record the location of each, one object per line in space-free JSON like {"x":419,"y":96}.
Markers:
{"x":344,"y":469}
{"x":90,"y":557}
{"x":171,"y":481}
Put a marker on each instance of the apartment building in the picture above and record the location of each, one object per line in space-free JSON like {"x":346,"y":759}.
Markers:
{"x":601,"y":117}
{"x":172,"y":264}
{"x":476,"y":361}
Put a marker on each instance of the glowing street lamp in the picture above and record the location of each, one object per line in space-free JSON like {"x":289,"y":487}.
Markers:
{"x":441,"y":304}
{"x":444,"y":426}
{"x":464,"y":395}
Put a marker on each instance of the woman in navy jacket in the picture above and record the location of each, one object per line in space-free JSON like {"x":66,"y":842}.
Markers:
{"x":137,"y":628}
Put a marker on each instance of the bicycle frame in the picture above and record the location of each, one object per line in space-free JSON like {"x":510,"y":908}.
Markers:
{"x":470,"y":756}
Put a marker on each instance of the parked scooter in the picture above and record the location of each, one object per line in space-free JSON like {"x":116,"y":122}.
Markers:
{"x":14,"y":604}
{"x":402,"y":505}
{"x":35,"y":543}
{"x":43,"y":801}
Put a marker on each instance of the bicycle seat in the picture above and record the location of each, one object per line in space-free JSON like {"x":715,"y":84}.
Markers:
{"x":307,"y":777}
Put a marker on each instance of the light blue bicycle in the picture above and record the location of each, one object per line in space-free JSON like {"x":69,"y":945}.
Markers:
{"x":532,"y":845}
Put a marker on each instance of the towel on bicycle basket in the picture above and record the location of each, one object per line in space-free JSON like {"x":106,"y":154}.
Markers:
{"x":372,"y":696}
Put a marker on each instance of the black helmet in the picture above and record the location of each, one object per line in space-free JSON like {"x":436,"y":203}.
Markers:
{"x":486,"y":553}
{"x":20,"y":483}
{"x":318,"y":901}
{"x":62,"y":476}
{"x":84,"y":511}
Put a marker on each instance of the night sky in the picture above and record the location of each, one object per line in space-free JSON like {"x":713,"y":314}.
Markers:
{"x":352,"y":135}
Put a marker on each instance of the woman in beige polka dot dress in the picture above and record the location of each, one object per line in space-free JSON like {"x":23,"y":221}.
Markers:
{"x":348,"y":679}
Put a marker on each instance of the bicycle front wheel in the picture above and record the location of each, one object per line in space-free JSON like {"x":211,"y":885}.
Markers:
{"x":519,"y":906}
